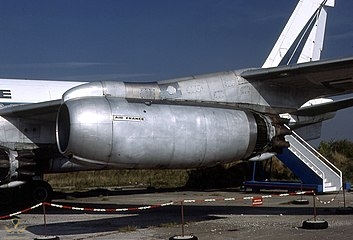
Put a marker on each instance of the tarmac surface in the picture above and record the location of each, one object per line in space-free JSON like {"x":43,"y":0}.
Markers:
{"x":236,"y":218}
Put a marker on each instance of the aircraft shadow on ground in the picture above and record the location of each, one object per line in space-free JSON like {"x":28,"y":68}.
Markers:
{"x":136,"y":220}
{"x":160,"y":217}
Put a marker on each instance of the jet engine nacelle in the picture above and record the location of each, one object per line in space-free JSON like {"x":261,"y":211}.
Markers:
{"x":123,"y":134}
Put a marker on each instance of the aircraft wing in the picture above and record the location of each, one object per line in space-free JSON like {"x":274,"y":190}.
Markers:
{"x":308,"y":80}
{"x":46,"y":111}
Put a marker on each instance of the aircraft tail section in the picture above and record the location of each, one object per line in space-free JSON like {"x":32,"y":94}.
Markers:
{"x":302,"y":38}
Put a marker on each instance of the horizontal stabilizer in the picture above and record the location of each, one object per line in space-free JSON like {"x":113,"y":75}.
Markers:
{"x":324,"y":107}
{"x":307,"y":80}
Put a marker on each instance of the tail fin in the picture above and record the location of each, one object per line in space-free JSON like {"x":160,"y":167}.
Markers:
{"x":302,"y":38}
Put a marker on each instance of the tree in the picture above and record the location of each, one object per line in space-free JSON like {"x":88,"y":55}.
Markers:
{"x":340,"y":153}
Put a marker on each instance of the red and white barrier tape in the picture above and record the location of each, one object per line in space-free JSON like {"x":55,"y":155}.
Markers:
{"x":326,"y":202}
{"x":22,"y":211}
{"x":109,"y":209}
{"x":150,"y":206}
{"x":244,"y":198}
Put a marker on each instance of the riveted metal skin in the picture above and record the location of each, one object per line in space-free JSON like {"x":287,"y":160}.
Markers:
{"x":122,"y":134}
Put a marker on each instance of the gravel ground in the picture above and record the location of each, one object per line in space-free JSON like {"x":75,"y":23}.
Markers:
{"x":277,"y":218}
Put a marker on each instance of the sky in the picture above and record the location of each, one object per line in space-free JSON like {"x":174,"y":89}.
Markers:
{"x":139,"y":40}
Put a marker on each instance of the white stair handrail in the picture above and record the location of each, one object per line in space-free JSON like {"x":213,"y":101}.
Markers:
{"x":321,"y":166}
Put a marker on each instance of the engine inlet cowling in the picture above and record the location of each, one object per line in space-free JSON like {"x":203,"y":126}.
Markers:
{"x":84,"y":128}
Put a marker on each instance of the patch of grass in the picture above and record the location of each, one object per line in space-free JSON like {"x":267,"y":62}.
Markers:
{"x":113,"y":178}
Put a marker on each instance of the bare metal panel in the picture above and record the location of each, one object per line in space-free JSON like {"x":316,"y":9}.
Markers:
{"x":136,"y":135}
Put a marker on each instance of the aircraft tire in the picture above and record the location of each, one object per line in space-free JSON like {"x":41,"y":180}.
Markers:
{"x":319,"y":224}
{"x":40,"y":191}
{"x":185,"y":237}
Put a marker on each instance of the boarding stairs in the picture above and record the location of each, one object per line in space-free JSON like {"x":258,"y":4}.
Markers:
{"x":310,"y":166}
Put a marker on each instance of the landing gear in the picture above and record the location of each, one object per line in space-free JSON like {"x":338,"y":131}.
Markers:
{"x":21,"y":178}
{"x":28,"y":194}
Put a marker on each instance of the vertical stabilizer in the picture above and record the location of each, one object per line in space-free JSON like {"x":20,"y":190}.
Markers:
{"x":302,"y":38}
